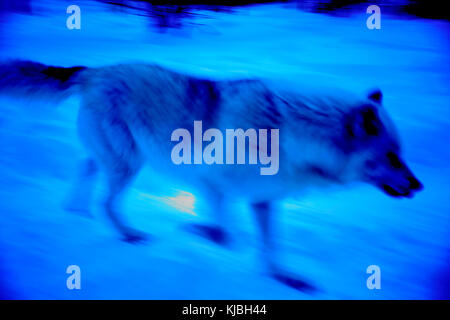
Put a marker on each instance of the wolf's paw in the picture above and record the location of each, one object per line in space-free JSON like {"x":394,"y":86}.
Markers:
{"x":294,"y":283}
{"x":212,"y":233}
{"x":134,"y":236}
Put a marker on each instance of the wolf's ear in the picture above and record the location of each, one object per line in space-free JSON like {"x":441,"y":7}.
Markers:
{"x":376,"y":96}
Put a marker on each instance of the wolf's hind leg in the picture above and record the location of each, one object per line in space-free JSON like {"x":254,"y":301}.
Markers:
{"x":109,"y":139}
{"x":262,"y":212}
{"x":80,"y":195}
{"x":215,"y":230}
{"x":118,"y":180}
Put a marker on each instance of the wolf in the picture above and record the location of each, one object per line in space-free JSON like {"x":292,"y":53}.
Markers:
{"x":128,"y":112}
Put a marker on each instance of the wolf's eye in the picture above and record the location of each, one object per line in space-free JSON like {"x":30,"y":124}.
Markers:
{"x":394,"y":160}
{"x":370,"y":122}
{"x":363,"y":122}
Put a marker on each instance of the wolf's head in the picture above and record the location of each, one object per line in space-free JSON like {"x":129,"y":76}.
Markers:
{"x":340,"y":138}
{"x":371,"y":140}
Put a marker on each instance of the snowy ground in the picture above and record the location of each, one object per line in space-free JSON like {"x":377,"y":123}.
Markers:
{"x":327,"y":237}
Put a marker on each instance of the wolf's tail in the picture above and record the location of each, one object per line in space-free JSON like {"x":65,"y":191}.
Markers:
{"x":27,"y":79}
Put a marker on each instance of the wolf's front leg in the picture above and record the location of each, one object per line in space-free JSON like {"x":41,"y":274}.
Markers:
{"x":262,"y":212}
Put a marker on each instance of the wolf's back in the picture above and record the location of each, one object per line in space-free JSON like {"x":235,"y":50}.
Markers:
{"x":27,"y":79}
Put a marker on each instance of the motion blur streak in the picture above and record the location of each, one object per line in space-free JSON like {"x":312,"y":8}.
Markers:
{"x":328,"y":236}
{"x":183,"y":201}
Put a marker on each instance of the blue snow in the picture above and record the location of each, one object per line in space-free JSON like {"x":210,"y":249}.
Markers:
{"x":329,"y":237}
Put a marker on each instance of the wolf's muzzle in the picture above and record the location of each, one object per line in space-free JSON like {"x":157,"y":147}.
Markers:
{"x":414,"y":186}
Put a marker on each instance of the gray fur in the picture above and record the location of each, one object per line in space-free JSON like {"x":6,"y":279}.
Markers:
{"x":27,"y":79}
{"x":128,"y":112}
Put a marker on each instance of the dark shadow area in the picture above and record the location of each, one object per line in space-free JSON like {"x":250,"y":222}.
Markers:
{"x":169,"y":14}
{"x":174,"y":14}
